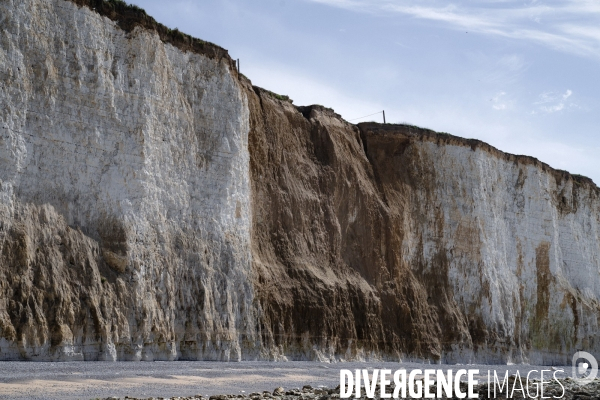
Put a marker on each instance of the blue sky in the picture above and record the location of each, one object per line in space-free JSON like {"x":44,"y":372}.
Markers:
{"x":523,"y":76}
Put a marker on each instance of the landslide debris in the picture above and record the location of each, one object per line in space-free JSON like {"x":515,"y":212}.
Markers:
{"x":568,"y":389}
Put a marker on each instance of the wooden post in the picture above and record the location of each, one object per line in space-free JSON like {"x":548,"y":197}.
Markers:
{"x":383,"y":116}
{"x":238,"y":67}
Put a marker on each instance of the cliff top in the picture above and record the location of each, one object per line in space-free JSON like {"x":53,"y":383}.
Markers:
{"x":424,"y":134}
{"x":130,"y":16}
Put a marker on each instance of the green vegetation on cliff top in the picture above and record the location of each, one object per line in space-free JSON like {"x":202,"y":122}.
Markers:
{"x":129,"y":16}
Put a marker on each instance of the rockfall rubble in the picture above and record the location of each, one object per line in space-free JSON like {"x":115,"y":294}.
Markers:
{"x":566,"y":390}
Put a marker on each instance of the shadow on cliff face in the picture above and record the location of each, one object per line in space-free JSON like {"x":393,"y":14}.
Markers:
{"x":113,"y":240}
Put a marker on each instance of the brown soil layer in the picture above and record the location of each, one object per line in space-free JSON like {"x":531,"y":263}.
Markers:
{"x":324,"y":238}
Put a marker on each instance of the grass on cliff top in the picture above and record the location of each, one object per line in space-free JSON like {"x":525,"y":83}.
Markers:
{"x":581,"y":179}
{"x":281,"y":97}
{"x":128,"y":16}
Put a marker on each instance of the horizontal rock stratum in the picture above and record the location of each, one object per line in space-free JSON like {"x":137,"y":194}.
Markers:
{"x":154,"y":205}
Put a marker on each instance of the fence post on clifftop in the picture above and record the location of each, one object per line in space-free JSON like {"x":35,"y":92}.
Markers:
{"x":383,"y":116}
{"x":238,"y":67}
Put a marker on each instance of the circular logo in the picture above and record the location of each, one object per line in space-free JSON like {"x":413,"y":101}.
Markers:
{"x":580,"y":368}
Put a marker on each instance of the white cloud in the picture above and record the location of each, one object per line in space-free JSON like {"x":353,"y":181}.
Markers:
{"x":498,"y":101}
{"x":513,"y":62}
{"x":585,"y":32}
{"x":566,"y":25}
{"x":551,"y":102}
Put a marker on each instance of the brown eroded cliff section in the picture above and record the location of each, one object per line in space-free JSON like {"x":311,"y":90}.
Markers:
{"x":352,"y":252}
{"x":307,"y":238}
{"x":324,"y":240}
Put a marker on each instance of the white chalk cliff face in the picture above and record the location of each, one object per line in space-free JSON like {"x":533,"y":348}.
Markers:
{"x":124,"y":199}
{"x":154,"y":205}
{"x":517,"y":242}
{"x":523,"y":250}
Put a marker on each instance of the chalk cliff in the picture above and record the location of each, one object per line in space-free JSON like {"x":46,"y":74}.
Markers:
{"x":125,"y":192}
{"x":155,"y":205}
